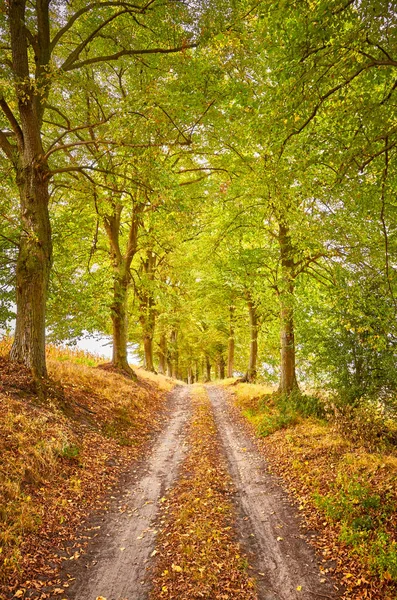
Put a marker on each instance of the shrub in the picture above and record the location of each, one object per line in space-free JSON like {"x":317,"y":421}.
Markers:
{"x":368,"y":422}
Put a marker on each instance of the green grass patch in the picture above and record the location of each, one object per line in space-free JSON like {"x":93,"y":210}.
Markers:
{"x":364,"y":516}
{"x":271,"y":412}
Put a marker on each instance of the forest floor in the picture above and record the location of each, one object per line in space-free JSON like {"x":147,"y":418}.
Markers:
{"x":118,"y":491}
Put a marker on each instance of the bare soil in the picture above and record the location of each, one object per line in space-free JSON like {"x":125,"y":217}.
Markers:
{"x":120,"y":554}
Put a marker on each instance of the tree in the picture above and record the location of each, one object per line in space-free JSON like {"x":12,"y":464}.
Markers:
{"x":38,"y":54}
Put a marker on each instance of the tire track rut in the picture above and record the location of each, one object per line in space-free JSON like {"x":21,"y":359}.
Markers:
{"x":116,"y":563}
{"x":285,"y":564}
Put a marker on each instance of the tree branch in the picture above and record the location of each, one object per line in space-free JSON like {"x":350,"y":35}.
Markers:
{"x":6,"y":146}
{"x":74,"y":130}
{"x":90,"y":7}
{"x":117,"y":55}
{"x":13,"y":122}
{"x":73,"y":56}
{"x":321,"y":101}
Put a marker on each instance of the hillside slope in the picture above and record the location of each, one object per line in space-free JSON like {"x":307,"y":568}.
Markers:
{"x":62,"y":457}
{"x":344,"y":479}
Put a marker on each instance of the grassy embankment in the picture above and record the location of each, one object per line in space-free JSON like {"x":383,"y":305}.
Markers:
{"x":60,"y":458}
{"x":343,"y":474}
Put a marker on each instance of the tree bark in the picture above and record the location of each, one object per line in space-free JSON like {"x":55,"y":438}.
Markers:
{"x":32,"y":175}
{"x":251,"y":372}
{"x":33,"y":266}
{"x":222,"y":367}
{"x":169,"y":363}
{"x":208,"y":368}
{"x":174,"y":354}
{"x":190,"y":376}
{"x":230,"y":350}
{"x":121,"y":262}
{"x":119,"y":316}
{"x":147,"y":315}
{"x":288,"y":381}
{"x":148,"y":349}
{"x":163,"y":354}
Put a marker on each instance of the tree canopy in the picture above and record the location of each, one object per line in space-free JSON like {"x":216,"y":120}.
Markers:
{"x":214,"y":182}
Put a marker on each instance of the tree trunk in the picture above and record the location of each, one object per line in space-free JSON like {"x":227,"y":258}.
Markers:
{"x":32,"y":175}
{"x":119,"y":316}
{"x":169,"y":364}
{"x":121,"y":262}
{"x":148,"y":349}
{"x":288,"y":381}
{"x":163,"y":354}
{"x":208,"y":368}
{"x":230,"y":350}
{"x":251,"y":373}
{"x":222,"y":367}
{"x":190,"y":376}
{"x":33,"y":266}
{"x":197,"y":370}
{"x":147,"y":314}
{"x":174,"y":354}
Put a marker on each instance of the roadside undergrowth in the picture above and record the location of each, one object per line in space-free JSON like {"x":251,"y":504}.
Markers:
{"x":198,"y":556}
{"x":344,"y":491}
{"x":61,"y":458}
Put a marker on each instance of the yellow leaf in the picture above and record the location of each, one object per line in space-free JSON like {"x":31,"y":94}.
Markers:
{"x":299,"y":588}
{"x":19,"y":594}
{"x":176,"y":568}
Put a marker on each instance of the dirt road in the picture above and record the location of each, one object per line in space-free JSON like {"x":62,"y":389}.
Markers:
{"x":117,"y":559}
{"x":285,"y":564}
{"x":115,"y":566}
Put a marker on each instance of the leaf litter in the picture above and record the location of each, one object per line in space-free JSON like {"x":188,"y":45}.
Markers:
{"x":197,"y":552}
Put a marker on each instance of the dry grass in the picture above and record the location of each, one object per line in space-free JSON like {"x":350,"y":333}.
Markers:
{"x":60,"y":458}
{"x":249,"y":392}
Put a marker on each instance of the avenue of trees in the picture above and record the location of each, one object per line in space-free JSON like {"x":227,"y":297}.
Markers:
{"x":213,"y":180}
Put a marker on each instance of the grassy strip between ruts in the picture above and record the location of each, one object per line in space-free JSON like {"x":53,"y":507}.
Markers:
{"x":198,"y":556}
{"x":344,"y":491}
{"x":61,"y":458}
